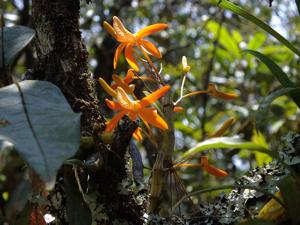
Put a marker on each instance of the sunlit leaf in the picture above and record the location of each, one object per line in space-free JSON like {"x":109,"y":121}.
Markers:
{"x":226,"y":143}
{"x":242,"y":12}
{"x":224,"y":38}
{"x":257,"y":41}
{"x":41,"y":125}
{"x":261,"y":158}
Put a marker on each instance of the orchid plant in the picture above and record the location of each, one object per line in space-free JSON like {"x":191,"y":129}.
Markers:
{"x":125,"y":101}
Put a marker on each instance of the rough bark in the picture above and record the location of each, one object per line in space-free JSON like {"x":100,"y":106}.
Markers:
{"x":62,"y":60}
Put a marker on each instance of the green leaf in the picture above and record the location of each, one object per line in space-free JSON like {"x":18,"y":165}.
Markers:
{"x":226,"y":143}
{"x":266,"y":102}
{"x":256,"y":222}
{"x":15,"y":39}
{"x":289,"y":188}
{"x":240,"y":11}
{"x":261,"y":158}
{"x":257,"y":41}
{"x":273,"y":67}
{"x":225,"y":38}
{"x":277,"y":72}
{"x":41,"y":125}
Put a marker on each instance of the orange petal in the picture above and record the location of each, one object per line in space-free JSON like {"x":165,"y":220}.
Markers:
{"x":204,"y":161}
{"x":129,"y":76}
{"x":137,"y":134}
{"x":123,"y":35}
{"x":215,"y":171}
{"x":114,"y":121}
{"x":151,"y":48}
{"x":107,"y":88}
{"x":151,"y":116}
{"x":112,"y":105}
{"x":124,"y":100}
{"x":212,"y":90}
{"x":223,"y":128}
{"x":118,"y":80}
{"x":129,"y":57}
{"x":110,"y":29}
{"x":177,"y":109}
{"x":149,"y":99}
{"x":187,"y":165}
{"x":117,"y":54}
{"x":150,"y":30}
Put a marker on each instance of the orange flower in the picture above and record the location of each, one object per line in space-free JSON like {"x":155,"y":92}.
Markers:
{"x":213,"y":91}
{"x":128,"y":40}
{"x":135,"y":109}
{"x":205,"y":166}
{"x":137,"y":134}
{"x":124,"y":83}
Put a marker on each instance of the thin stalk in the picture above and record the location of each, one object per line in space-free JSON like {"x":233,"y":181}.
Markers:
{"x":181,"y":90}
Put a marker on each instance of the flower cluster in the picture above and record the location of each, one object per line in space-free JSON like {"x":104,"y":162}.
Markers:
{"x":122,"y":91}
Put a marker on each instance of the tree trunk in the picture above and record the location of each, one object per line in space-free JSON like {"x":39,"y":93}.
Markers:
{"x":62,"y":60}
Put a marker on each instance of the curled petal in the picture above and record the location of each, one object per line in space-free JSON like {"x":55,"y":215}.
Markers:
{"x":177,"y":109}
{"x":117,"y":54}
{"x":151,"y":116}
{"x":149,"y":99}
{"x":129,"y":76}
{"x":215,"y":171}
{"x":123,"y":35}
{"x":124,"y":100}
{"x":150,"y":30}
{"x":113,"y":105}
{"x":223,"y":128}
{"x":121,"y":83}
{"x":151,"y":48}
{"x":107,"y":88}
{"x":213,"y":91}
{"x":129,"y":57}
{"x":137,"y":134}
{"x":110,"y":29}
{"x":114,"y":121}
{"x":187,"y":165}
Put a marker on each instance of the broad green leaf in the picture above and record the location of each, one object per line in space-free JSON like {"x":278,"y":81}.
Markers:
{"x":290,"y":190}
{"x":277,"y":72}
{"x":41,"y":125}
{"x":225,"y":143}
{"x":242,"y":12}
{"x":15,"y":39}
{"x":266,"y":102}
{"x":261,"y":158}
{"x":237,"y":36}
{"x":257,"y":41}
{"x":225,"y":38}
